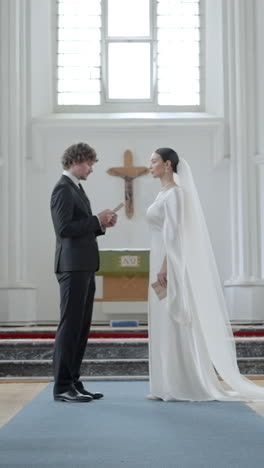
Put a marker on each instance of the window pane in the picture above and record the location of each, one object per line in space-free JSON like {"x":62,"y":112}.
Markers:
{"x":174,"y":86}
{"x":72,"y":7}
{"x":178,"y":52}
{"x":129,"y":70}
{"x":128,"y":18}
{"x":78,"y":86}
{"x":79,"y":47}
{"x":80,"y":34}
{"x":91,"y":59}
{"x":79,"y":52}
{"x":186,"y":35}
{"x":74,"y":73}
{"x":73,"y":99}
{"x":166,"y":73}
{"x":177,"y":7}
{"x":179,"y":99}
{"x":129,"y":62}
{"x":77,"y":21}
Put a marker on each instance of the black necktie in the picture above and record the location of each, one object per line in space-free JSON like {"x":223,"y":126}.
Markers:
{"x":82,"y":190}
{"x":84,"y":194}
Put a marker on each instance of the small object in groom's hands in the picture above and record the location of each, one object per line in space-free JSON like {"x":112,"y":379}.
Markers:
{"x":159,"y":290}
{"x":118,"y":207}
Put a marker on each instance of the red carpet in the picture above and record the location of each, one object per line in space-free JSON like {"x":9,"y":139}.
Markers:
{"x":103,"y":334}
{"x":109,"y":334}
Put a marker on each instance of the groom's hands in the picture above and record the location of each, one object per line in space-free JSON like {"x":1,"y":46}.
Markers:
{"x":108,"y":218}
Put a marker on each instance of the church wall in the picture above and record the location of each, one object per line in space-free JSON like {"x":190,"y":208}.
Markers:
{"x":225,"y":147}
{"x":199,"y":139}
{"x":259,"y":124}
{"x":196,"y":143}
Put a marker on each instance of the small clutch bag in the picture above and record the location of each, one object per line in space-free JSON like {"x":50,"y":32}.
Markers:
{"x":159,"y":290}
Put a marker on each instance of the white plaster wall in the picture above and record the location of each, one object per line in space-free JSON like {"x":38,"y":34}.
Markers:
{"x":197,"y":145}
{"x":259,"y":159}
{"x":259,"y":89}
{"x":203,"y":140}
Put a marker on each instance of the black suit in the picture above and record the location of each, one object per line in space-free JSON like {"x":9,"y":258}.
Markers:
{"x":76,"y":260}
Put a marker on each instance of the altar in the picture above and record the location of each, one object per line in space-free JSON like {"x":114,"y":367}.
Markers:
{"x":122,"y":285}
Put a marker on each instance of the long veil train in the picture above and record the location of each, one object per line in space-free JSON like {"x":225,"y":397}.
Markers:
{"x":207,"y":291}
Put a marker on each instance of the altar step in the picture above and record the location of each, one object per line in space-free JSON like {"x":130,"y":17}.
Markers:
{"x":107,"y":357}
{"x":242,"y":329}
{"x":103,"y":357}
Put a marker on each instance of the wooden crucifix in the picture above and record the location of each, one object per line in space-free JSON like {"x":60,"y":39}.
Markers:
{"x":128,"y":172}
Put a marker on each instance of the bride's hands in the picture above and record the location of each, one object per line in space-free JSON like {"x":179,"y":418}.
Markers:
{"x":162,"y":275}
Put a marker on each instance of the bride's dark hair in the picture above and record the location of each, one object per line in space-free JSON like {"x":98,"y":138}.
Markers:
{"x":168,"y":154}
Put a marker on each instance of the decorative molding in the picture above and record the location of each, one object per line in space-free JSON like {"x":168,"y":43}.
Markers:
{"x":4,"y":135}
{"x":43,"y":128}
{"x":14,"y":116}
{"x":259,"y":163}
{"x":128,"y":120}
{"x":244,"y":282}
{"x":239,"y":36}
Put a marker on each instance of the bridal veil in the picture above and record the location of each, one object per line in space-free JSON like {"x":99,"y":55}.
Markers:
{"x":207,"y":290}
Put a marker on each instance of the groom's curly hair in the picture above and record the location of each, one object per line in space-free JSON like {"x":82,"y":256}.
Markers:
{"x":78,"y":153}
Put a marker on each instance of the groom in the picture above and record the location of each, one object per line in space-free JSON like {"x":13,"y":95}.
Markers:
{"x":76,"y":260}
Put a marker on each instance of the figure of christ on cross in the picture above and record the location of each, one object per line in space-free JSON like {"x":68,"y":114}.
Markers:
{"x":128,"y":172}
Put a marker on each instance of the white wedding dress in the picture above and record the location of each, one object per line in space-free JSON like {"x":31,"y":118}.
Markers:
{"x":187,"y":341}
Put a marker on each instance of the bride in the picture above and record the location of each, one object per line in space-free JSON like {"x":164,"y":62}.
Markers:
{"x":191,"y":339}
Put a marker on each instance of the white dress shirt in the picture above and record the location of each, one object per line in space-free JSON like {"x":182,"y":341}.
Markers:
{"x":72,"y":177}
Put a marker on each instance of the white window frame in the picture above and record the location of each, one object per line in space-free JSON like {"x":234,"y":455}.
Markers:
{"x":130,"y":105}
{"x":106,"y":40}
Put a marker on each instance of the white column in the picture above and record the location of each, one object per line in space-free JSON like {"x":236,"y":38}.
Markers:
{"x":17,"y":295}
{"x":245,"y":289}
{"x":259,"y":158}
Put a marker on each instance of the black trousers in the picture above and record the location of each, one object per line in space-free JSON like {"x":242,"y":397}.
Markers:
{"x":77,"y":290}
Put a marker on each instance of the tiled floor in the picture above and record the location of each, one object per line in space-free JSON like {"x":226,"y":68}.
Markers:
{"x":13,"y":396}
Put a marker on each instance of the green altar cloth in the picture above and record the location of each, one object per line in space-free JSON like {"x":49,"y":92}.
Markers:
{"x":119,"y":262}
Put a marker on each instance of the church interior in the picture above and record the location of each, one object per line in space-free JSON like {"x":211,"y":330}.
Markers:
{"x":216,"y":125}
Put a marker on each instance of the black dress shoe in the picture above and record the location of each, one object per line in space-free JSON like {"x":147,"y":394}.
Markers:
{"x":80,"y":388}
{"x":72,"y":396}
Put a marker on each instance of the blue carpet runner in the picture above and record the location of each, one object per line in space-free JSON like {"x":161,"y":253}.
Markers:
{"x":127,"y":430}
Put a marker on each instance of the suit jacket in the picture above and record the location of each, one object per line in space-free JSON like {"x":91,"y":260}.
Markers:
{"x":76,"y":228}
